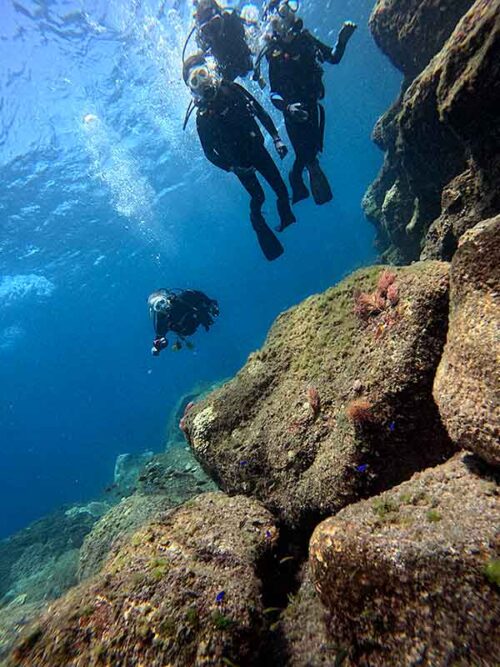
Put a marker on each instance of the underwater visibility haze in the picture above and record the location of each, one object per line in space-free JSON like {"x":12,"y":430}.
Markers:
{"x":104,"y":198}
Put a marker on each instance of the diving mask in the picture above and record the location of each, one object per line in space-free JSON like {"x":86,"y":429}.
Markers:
{"x":159,"y":304}
{"x":203,"y":82}
{"x":284,"y":18}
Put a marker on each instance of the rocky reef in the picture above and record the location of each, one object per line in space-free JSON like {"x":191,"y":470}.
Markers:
{"x":441,"y":138}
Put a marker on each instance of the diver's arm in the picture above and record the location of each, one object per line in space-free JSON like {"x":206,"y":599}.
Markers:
{"x":258,"y":61}
{"x":337,"y":53}
{"x":259,"y":111}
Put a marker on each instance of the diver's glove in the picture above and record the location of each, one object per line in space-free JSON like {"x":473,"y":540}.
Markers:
{"x":281,"y":149}
{"x":298,"y":112}
{"x":347,"y":31}
{"x":159,"y":344}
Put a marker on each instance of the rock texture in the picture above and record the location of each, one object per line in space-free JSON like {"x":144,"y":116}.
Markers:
{"x":185,"y":591}
{"x":467,"y":385}
{"x":412,"y":577}
{"x":336,"y":405}
{"x":441,"y":173}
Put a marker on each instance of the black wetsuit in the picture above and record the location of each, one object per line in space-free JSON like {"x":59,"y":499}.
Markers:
{"x":225,"y":39}
{"x":232,"y":140}
{"x":187,"y":310}
{"x":296,"y":76}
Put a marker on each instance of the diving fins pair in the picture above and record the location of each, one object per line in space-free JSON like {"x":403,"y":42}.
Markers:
{"x":320,"y":188}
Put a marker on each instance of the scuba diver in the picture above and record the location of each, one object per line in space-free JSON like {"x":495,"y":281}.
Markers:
{"x":221,"y":34}
{"x":295,"y":74}
{"x":181,"y":312}
{"x":232,"y":140}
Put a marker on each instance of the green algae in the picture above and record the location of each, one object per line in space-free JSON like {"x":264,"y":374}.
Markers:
{"x":492,"y":571}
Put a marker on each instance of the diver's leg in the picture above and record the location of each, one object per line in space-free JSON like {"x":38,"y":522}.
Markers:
{"x":296,"y":176}
{"x":268,"y":242}
{"x":265,"y":164}
{"x":320,"y":187}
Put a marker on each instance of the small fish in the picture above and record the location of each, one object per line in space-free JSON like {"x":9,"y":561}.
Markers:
{"x":220,"y":596}
{"x":392,"y":427}
{"x":271,"y":610}
{"x":286,"y":559}
{"x":243,"y":463}
{"x":268,"y":534}
{"x":362,"y":468}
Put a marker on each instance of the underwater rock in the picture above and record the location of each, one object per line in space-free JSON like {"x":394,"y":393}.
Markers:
{"x":167,"y":480}
{"x":14,"y":618}
{"x":185,"y":591}
{"x":412,"y":577}
{"x":466,"y":388}
{"x":128,"y":467}
{"x":286,"y":430}
{"x":441,"y":173}
{"x":411,"y":32}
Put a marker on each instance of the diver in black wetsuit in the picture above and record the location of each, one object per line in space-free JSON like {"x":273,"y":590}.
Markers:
{"x":181,"y":312}
{"x":232,"y":140}
{"x":295,"y":74}
{"x":221,"y":33}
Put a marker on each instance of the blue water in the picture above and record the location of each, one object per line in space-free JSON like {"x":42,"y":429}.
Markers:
{"x":105,"y":199}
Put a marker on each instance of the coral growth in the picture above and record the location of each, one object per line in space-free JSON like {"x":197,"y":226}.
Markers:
{"x":379,"y":306}
{"x":360,"y":411}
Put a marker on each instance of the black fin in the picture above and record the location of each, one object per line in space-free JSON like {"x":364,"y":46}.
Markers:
{"x":320,"y":187}
{"x":299,"y":189}
{"x":268,"y":241}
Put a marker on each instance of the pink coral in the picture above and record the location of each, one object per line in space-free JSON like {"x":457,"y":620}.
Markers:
{"x":366,"y":305}
{"x":393,"y":295}
{"x":386,"y":279}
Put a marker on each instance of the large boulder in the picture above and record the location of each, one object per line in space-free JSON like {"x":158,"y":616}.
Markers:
{"x":185,"y":591}
{"x":442,"y":171}
{"x":338,"y":403}
{"x":467,"y":385}
{"x":412,"y":577}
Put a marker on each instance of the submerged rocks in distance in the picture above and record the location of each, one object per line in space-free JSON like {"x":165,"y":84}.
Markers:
{"x":467,"y":385}
{"x":185,"y":591}
{"x":412,"y":576}
{"x":441,"y":173}
{"x":336,"y":405}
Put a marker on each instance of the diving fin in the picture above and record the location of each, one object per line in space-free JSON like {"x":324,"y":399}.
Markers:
{"x":268,"y":242}
{"x":320,"y":187}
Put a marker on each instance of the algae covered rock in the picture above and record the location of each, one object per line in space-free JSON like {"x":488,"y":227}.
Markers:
{"x":128,"y":467}
{"x":185,"y":591}
{"x":412,"y":577}
{"x":336,"y":405}
{"x":467,"y":385}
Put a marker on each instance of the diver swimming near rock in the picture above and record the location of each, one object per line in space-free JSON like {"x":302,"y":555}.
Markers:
{"x":220,"y":32}
{"x":232,"y":140}
{"x":295,"y":74}
{"x":180,"y":312}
